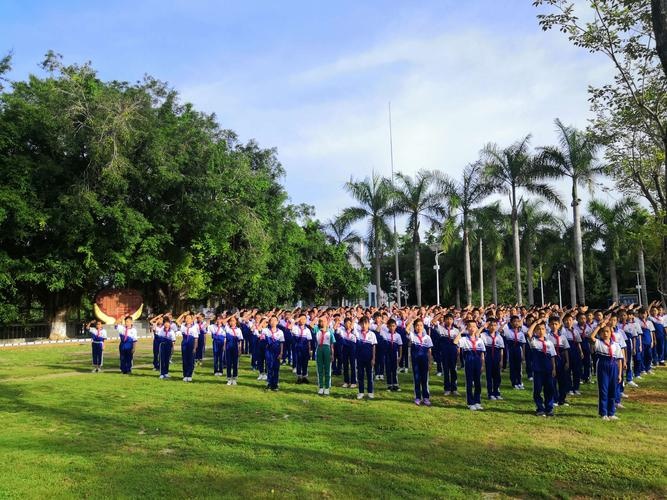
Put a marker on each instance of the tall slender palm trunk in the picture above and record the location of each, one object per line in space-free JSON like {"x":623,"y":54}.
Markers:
{"x":378,"y":275}
{"x":481,"y":274}
{"x":578,"y":247}
{"x":517,"y":255}
{"x":494,"y":281}
{"x":613,"y":279}
{"x":418,"y":269}
{"x":529,"y":277}
{"x":573,"y":288}
{"x":466,"y":264}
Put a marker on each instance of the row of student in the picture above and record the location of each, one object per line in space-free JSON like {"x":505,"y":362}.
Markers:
{"x":472,"y":352}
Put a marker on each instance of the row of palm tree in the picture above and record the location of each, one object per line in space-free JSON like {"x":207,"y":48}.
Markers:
{"x":435,"y":199}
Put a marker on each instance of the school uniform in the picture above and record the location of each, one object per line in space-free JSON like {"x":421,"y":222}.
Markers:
{"x":190,"y":334}
{"x":472,"y":350}
{"x":218,"y":336}
{"x":286,"y":328}
{"x":584,"y":333}
{"x":365,"y":343}
{"x":324,"y":340}
{"x":246,"y":336}
{"x":380,"y":351}
{"x":632,"y":347}
{"x":301,"y":337}
{"x":167,"y":338}
{"x":515,"y":342}
{"x":659,"y":327}
{"x":494,"y":346}
{"x":348,"y":349}
{"x":448,"y":353}
{"x":543,"y":382}
{"x":98,"y":337}
{"x":562,"y":382}
{"x":274,"y":339}
{"x":156,"y":347}
{"x":403,"y":363}
{"x":337,"y":362}
{"x":434,"y":332}
{"x":233,"y":337}
{"x":259,"y":352}
{"x":201,"y":341}
{"x":420,"y":345}
{"x":647,"y":330}
{"x":393,"y":342}
{"x":608,"y":354}
{"x":128,"y":336}
{"x":574,"y":375}
{"x":618,"y":337}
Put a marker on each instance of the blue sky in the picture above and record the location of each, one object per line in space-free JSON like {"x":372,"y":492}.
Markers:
{"x":313,"y":78}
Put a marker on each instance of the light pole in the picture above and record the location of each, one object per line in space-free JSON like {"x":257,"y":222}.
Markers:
{"x":541,"y":284}
{"x":437,"y":275}
{"x":560,"y":293}
{"x":638,"y":287}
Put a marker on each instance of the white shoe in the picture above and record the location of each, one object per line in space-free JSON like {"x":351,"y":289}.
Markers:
{"x":479,"y":406}
{"x":624,"y":395}
{"x":326,"y":392}
{"x":605,"y":417}
{"x":260,"y":377}
{"x":185,"y":379}
{"x":565,"y":404}
{"x":499,"y":398}
{"x":162,"y":377}
{"x":555,"y":405}
{"x":293,"y":370}
{"x":516,"y":387}
{"x":167,"y":376}
{"x":189,"y":379}
{"x":229,"y":382}
{"x":320,"y":391}
{"x":371,"y":395}
{"x":578,"y":393}
{"x":571,"y":393}
{"x":234,"y":381}
{"x":345,"y":386}
{"x":614,"y":417}
{"x":620,"y":405}
{"x":529,"y":378}
{"x":447,"y":393}
{"x":492,"y":398}
{"x":632,"y":383}
{"x":473,"y":407}
{"x":94,"y":370}
{"x":360,"y":395}
{"x":439,"y":374}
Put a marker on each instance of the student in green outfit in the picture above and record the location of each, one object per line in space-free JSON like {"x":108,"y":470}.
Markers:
{"x":325,"y":341}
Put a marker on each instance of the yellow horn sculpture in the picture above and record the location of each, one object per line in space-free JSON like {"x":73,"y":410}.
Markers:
{"x":108,"y":320}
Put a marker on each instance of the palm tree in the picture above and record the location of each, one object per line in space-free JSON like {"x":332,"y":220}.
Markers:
{"x":489,"y":224}
{"x":510,"y":170}
{"x":608,"y":224}
{"x":463,"y":196}
{"x":374,"y":196}
{"x":574,"y":158}
{"x":533,"y":220}
{"x":339,"y":232}
{"x":419,"y":199}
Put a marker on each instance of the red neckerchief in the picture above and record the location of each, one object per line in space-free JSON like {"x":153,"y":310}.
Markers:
{"x":544,"y":346}
{"x":322,"y":333}
{"x":609,"y":349}
{"x":127,"y":329}
{"x":557,"y":343}
{"x":473,"y":341}
{"x":516,"y":335}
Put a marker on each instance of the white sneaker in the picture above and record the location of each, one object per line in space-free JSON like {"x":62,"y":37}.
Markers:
{"x":473,"y":407}
{"x":614,"y":417}
{"x":189,"y":379}
{"x":326,"y":392}
{"x":360,"y":395}
{"x":493,"y":398}
{"x":516,"y":387}
{"x":260,"y":377}
{"x":229,"y":382}
{"x":632,"y":383}
{"x":624,"y":395}
{"x":620,"y":405}
{"x":233,"y":381}
{"x":571,"y":393}
{"x":447,"y":393}
{"x":320,"y":391}
{"x":499,"y":398}
{"x":529,"y":378}
{"x":185,"y":379}
{"x":167,"y":376}
{"x":555,"y":405}
{"x":293,"y":370}
{"x":371,"y":395}
{"x":479,"y":406}
{"x":439,"y":374}
{"x":345,"y":386}
{"x":162,"y":377}
{"x":94,"y":370}
{"x":605,"y":417}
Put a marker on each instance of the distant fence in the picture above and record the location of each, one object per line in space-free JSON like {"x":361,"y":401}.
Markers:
{"x":41,"y":331}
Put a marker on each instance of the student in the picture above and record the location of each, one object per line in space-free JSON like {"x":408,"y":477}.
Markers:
{"x":348,"y":349}
{"x":219,"y":337}
{"x":609,"y":370}
{"x":421,"y":357}
{"x":495,"y":352}
{"x":325,"y":341}
{"x":128,"y":337}
{"x":472,"y":353}
{"x":286,"y":324}
{"x":528,"y":352}
{"x":515,"y":341}
{"x":98,"y":336}
{"x":366,"y":343}
{"x":200,"y":351}
{"x":449,"y":353}
{"x":155,"y":324}
{"x":575,"y":354}
{"x":618,"y":337}
{"x":658,"y":321}
{"x":302,"y":337}
{"x":378,"y":327}
{"x":259,"y":347}
{"x":627,"y":323}
{"x":275,"y":343}
{"x":562,"y":382}
{"x":584,"y":332}
{"x":165,"y":348}
{"x":648,"y":341}
{"x":544,"y":368}
{"x":190,"y":332}
{"x":403,"y":364}
{"x":233,"y":344}
{"x":337,"y":363}
{"x":393,"y":352}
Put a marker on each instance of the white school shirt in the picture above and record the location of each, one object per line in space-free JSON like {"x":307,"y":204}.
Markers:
{"x":325,"y":337}
{"x":571,"y":335}
{"x":520,"y":334}
{"x":602,"y":349}
{"x":388,"y":337}
{"x":645,"y":324}
{"x":620,"y":338}
{"x":236,"y":332}
{"x":102,"y":333}
{"x":488,"y":341}
{"x":349,"y":336}
{"x":131,"y":332}
{"x":169,"y":334}
{"x":451,"y":334}
{"x":562,"y":342}
{"x":296,"y":332}
{"x":426,"y":340}
{"x":370,"y":337}
{"x":278,"y":336}
{"x":216,"y":330}
{"x":192,"y":330}
{"x":584,"y":333}
{"x":467,"y":344}
{"x":539,"y":345}
{"x":631,"y":329}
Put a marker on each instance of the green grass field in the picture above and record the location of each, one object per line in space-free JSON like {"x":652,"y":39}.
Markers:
{"x":67,"y":432}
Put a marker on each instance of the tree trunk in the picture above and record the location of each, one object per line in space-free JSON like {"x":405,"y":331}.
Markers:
{"x":517,"y":256}
{"x":481,"y":274}
{"x":613,"y":280}
{"x":529,"y":278}
{"x":642,"y":274}
{"x":578,"y":247}
{"x":418,"y":269}
{"x":494,"y":281}
{"x":659,"y":18}
{"x":466,"y":261}
{"x":378,"y":274}
{"x":458,"y":298}
{"x":573,"y":288}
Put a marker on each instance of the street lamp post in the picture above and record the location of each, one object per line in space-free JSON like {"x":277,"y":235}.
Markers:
{"x":437,"y":277}
{"x":560,"y":293}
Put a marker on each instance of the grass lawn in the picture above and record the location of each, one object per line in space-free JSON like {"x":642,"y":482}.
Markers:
{"x":67,"y":432}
